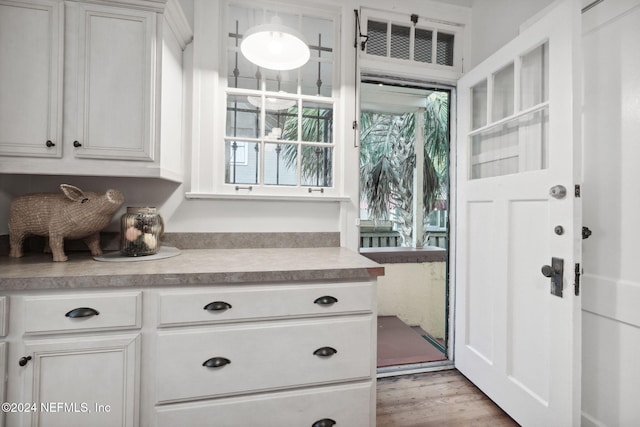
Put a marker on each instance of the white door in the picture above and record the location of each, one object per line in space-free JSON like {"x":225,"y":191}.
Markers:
{"x":518,"y":137}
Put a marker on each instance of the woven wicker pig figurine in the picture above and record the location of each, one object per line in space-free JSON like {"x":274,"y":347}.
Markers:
{"x":72,"y":215}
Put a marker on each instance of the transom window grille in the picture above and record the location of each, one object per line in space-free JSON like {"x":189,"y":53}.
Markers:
{"x":279,"y":124}
{"x":411,"y":42}
{"x":509,"y":118}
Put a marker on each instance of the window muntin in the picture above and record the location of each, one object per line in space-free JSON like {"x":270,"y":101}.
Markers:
{"x":419,"y":42}
{"x":279,"y":124}
{"x":516,"y":139}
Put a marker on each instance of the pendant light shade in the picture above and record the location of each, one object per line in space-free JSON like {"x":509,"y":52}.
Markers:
{"x":275,"y":46}
{"x":271,"y":103}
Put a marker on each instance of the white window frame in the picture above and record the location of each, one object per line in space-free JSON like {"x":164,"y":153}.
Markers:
{"x":208,"y":156}
{"x":423,"y":71}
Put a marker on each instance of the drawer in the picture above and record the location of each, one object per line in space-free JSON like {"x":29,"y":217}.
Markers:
{"x":236,"y":303}
{"x":4,"y":316}
{"x":54,"y":313}
{"x":350,"y":405}
{"x":266,"y":356}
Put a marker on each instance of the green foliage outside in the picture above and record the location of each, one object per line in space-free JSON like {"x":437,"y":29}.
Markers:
{"x":387,"y":158}
{"x":387,"y":162}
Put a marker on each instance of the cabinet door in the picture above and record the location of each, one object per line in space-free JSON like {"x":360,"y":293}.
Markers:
{"x":31,"y":40}
{"x":111,"y":64}
{"x":82,"y":381}
{"x":3,"y":378}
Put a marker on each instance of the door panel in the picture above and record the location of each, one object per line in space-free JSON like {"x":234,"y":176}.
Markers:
{"x":518,"y":135}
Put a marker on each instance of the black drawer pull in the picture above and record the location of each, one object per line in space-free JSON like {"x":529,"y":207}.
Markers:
{"x":325,"y":351}
{"x":217,"y":306}
{"x":24,"y":360}
{"x":82,"y":312}
{"x":77,"y":144}
{"x":216,"y":362}
{"x":49,"y":144}
{"x":325,"y":422}
{"x":326,"y":300}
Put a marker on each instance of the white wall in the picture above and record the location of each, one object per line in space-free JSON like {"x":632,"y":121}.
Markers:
{"x":495,"y":22}
{"x":416,"y":293}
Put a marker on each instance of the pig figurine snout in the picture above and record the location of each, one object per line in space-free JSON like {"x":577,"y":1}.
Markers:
{"x":74,"y":214}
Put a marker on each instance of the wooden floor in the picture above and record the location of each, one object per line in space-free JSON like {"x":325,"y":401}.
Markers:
{"x":442,"y":398}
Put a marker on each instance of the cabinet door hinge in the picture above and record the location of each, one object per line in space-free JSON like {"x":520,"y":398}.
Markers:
{"x":578,"y":191}
{"x":576,"y":282}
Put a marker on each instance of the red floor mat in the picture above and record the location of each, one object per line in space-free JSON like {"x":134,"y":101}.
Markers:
{"x":398,"y":344}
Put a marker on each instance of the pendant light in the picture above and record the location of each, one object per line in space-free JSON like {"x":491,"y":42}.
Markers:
{"x":275,"y":46}
{"x":271,"y":103}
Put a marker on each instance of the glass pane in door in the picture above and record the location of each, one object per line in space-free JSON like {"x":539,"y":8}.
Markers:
{"x":519,"y":145}
{"x":534,"y":74}
{"x":503,"y":89}
{"x":479,"y":105}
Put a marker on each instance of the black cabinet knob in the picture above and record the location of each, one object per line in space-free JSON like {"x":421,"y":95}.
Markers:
{"x":82,"y":312}
{"x":325,"y":351}
{"x":216,"y":362}
{"x":325,"y":422}
{"x":24,"y":360}
{"x":217,"y":306}
{"x":326,"y":300}
{"x":49,"y":144}
{"x":77,"y":144}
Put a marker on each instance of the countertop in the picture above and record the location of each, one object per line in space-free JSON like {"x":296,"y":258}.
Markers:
{"x":191,"y":267}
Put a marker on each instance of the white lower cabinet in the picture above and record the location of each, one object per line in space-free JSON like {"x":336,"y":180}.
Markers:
{"x":73,"y":359}
{"x":261,"y":357}
{"x":3,"y":377}
{"x":267,"y":355}
{"x":346,"y":405}
{"x":81,"y":381}
{"x":295,"y":354}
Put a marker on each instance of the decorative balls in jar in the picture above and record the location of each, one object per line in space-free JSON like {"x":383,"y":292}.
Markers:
{"x":140,"y":231}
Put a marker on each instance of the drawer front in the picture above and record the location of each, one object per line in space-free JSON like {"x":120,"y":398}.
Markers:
{"x":350,"y":405}
{"x":235,"y":303}
{"x":55,"y":313}
{"x":262,"y":357}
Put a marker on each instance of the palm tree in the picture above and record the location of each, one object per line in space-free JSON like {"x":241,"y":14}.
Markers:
{"x":387,"y":162}
{"x":317,"y":161}
{"x":387,"y":158}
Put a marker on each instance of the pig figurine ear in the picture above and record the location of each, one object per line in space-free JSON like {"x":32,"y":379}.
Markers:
{"x":73,"y":193}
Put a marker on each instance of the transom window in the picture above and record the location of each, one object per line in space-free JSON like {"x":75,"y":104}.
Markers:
{"x":279,"y":124}
{"x":413,"y":39}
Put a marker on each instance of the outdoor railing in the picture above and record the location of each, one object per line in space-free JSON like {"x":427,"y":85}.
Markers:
{"x":389,"y":239}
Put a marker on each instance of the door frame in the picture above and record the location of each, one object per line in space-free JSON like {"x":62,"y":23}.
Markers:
{"x":368,"y":75}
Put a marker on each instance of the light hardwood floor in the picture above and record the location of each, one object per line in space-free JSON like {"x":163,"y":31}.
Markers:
{"x":442,"y":398}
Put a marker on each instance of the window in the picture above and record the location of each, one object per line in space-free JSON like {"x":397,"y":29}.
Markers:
{"x":424,"y":42}
{"x":509,"y":133}
{"x":279,"y":124}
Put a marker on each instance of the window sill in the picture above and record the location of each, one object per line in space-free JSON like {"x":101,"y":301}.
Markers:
{"x":268,"y":197}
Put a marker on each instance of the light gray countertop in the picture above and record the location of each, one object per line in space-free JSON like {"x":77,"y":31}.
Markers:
{"x":191,"y":267}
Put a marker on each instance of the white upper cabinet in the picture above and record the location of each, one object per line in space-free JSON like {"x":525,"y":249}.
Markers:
{"x":119,"y":64}
{"x":110,"y":55}
{"x":31,"y":78}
